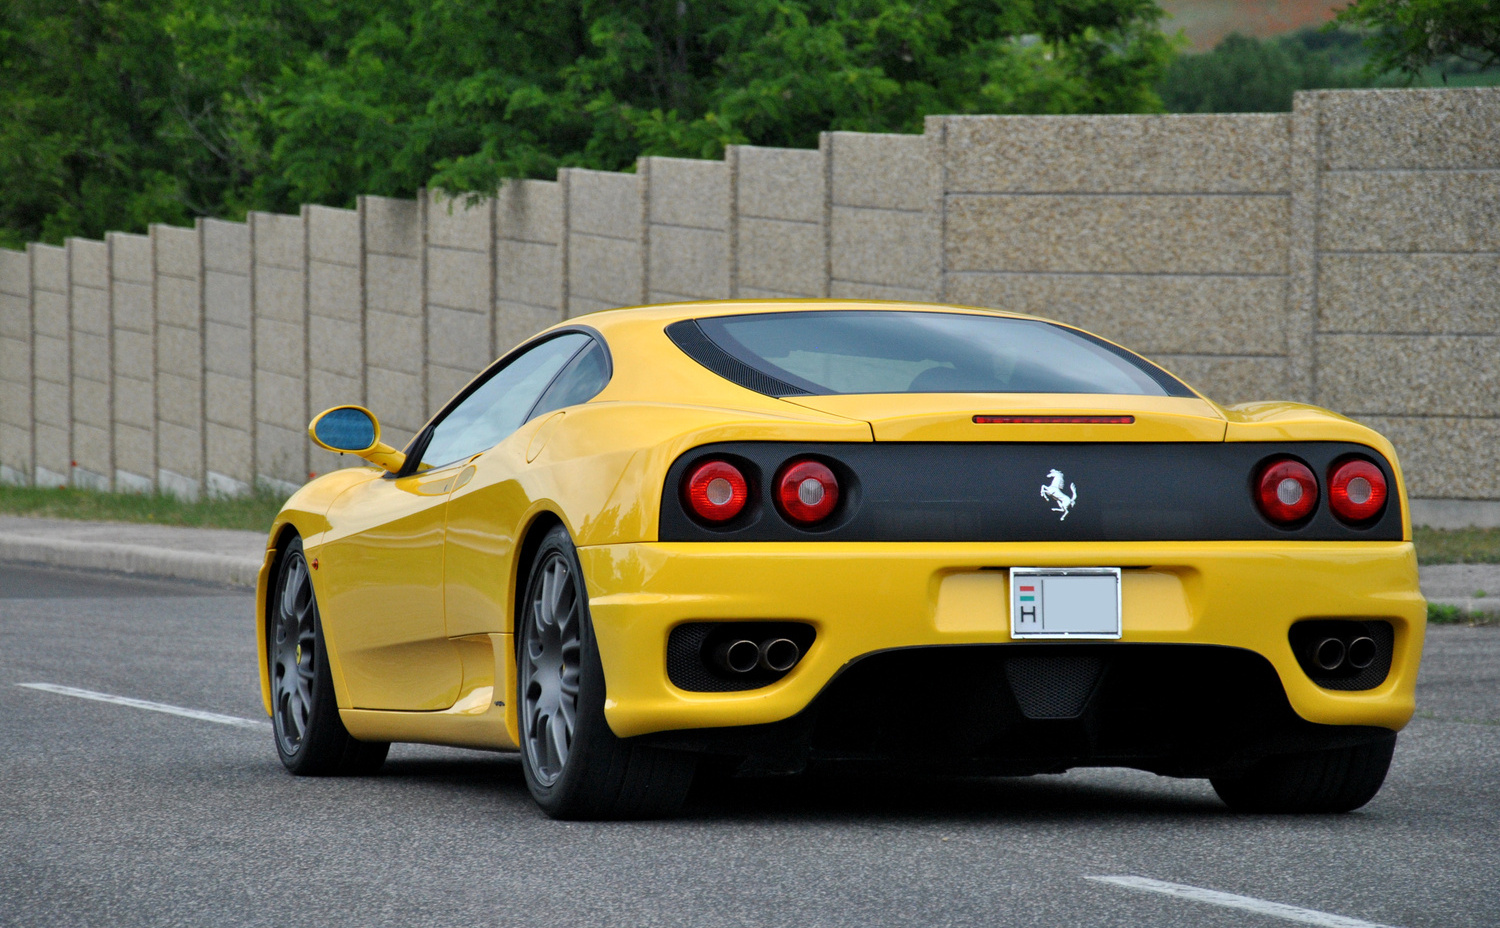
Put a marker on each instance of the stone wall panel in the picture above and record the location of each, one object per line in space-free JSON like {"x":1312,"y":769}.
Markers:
{"x":1410,"y":294}
{"x":1239,"y":153}
{"x":780,"y":183}
{"x":1118,"y":234}
{"x":1410,"y":129}
{"x":1407,"y":211}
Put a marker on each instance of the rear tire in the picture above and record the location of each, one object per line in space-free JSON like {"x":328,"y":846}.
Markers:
{"x":1337,"y":780}
{"x":310,"y":737}
{"x":575,"y":766}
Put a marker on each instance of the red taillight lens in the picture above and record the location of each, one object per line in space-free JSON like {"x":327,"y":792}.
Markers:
{"x":807,"y":491}
{"x":716,"y":491}
{"x":1287,"y":491}
{"x":1356,"y":491}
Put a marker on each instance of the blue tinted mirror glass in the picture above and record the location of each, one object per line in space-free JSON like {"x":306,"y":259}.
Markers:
{"x":346,"y":430}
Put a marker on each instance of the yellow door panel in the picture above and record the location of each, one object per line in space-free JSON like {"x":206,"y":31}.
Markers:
{"x":484,"y":514}
{"x":381,"y":593}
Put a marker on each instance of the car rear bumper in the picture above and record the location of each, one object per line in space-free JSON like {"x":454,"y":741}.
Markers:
{"x":864,"y":598}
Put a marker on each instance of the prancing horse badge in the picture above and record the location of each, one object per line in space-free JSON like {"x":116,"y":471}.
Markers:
{"x":1053,"y":490}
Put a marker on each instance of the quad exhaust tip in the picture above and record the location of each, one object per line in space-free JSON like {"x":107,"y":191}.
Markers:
{"x":778,"y":655}
{"x":1361,"y":652}
{"x":741,"y":655}
{"x":1329,"y":653}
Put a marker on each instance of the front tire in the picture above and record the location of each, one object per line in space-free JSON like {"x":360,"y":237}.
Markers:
{"x":1332,"y":781}
{"x":575,"y":766}
{"x":310,"y":737}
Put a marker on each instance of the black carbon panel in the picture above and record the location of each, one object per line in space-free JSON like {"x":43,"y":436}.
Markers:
{"x":957,"y":491}
{"x":1053,"y":687}
{"x":687,"y":336}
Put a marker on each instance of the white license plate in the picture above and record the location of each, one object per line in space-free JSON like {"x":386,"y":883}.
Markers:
{"x":1071,"y":602}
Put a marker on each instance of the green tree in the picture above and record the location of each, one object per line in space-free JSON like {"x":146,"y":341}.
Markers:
{"x":1247,"y":75}
{"x":123,"y":112}
{"x":1411,"y":35}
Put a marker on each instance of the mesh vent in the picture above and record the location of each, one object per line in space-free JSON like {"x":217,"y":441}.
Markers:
{"x":690,"y":646}
{"x":1305,"y":634}
{"x":1053,"y":687}
{"x":698,"y":346}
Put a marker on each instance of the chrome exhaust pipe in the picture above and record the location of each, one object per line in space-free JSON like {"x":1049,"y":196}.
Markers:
{"x":738,"y":656}
{"x":1328,"y":654}
{"x":778,"y":655}
{"x":1362,"y":652}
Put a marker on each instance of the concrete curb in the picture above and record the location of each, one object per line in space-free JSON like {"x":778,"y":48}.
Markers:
{"x":131,"y":559}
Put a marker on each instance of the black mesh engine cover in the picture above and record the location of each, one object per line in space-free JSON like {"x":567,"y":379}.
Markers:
{"x":1053,"y":687}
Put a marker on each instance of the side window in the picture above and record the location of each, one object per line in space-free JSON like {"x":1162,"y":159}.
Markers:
{"x":500,"y":404}
{"x":583,"y":378}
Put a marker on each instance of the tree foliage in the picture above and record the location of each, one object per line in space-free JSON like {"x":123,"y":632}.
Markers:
{"x":123,"y":112}
{"x":1248,"y":75}
{"x":1411,"y":35}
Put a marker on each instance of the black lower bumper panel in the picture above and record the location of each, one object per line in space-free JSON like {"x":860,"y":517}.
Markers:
{"x":1012,"y":709}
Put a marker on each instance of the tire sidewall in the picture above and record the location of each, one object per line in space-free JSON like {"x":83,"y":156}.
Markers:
{"x":590,"y":728}
{"x":322,"y":684}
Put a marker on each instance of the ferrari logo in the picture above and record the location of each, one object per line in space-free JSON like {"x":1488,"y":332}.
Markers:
{"x":1053,"y":490}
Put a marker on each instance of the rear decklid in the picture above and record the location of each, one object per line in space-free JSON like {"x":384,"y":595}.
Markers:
{"x":1026,"y":417}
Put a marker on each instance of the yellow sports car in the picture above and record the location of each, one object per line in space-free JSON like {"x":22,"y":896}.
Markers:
{"x":792,"y":533}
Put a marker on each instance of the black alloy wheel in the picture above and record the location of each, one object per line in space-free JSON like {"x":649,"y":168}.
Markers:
{"x":574,"y":765}
{"x":310,"y":737}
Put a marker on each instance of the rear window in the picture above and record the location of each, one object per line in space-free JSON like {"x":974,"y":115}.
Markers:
{"x":894,"y":351}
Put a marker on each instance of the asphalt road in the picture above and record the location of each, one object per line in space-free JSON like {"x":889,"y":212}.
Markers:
{"x":111,"y":815}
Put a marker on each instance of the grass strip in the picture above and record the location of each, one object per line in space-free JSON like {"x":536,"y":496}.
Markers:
{"x":254,"y":512}
{"x":1443,"y":614}
{"x":1457,"y":545}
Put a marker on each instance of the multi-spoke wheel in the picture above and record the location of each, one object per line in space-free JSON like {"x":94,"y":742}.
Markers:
{"x":310,"y":736}
{"x":550,"y":669}
{"x":574,"y":765}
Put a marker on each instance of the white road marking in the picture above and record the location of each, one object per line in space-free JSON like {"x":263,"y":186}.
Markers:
{"x":1290,"y":913}
{"x":198,"y":714}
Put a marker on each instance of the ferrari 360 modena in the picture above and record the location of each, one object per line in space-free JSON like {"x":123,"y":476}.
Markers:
{"x":763,"y":537}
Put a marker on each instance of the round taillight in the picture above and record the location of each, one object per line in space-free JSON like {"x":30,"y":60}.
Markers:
{"x":1287,"y":491}
{"x":716,"y":491}
{"x":807,"y":491}
{"x":1356,"y":490}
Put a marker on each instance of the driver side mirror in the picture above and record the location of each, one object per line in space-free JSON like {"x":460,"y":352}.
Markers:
{"x":354,"y":430}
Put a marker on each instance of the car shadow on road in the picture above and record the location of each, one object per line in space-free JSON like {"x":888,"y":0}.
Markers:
{"x":846,"y":797}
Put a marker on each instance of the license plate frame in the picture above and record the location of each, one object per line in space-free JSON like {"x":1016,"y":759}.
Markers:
{"x":1075,"y":602}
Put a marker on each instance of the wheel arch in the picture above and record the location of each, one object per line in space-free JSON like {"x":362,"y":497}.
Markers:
{"x":281,"y":535}
{"x":541,"y":523}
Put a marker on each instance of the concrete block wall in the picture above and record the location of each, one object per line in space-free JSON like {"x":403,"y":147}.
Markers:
{"x":279,"y":300}
{"x":780,"y":222}
{"x":1406,"y":278}
{"x":606,"y":239}
{"x":180,"y":426}
{"x":530,"y":260}
{"x":1347,"y":253}
{"x":1166,"y":233}
{"x":689,"y":229}
{"x":335,"y":316}
{"x":16,"y":419}
{"x":395,"y":322}
{"x":460,"y":298}
{"x":883,"y":238}
{"x":52,"y":366}
{"x":228,"y":358}
{"x":133,"y":360}
{"x":90,"y":339}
